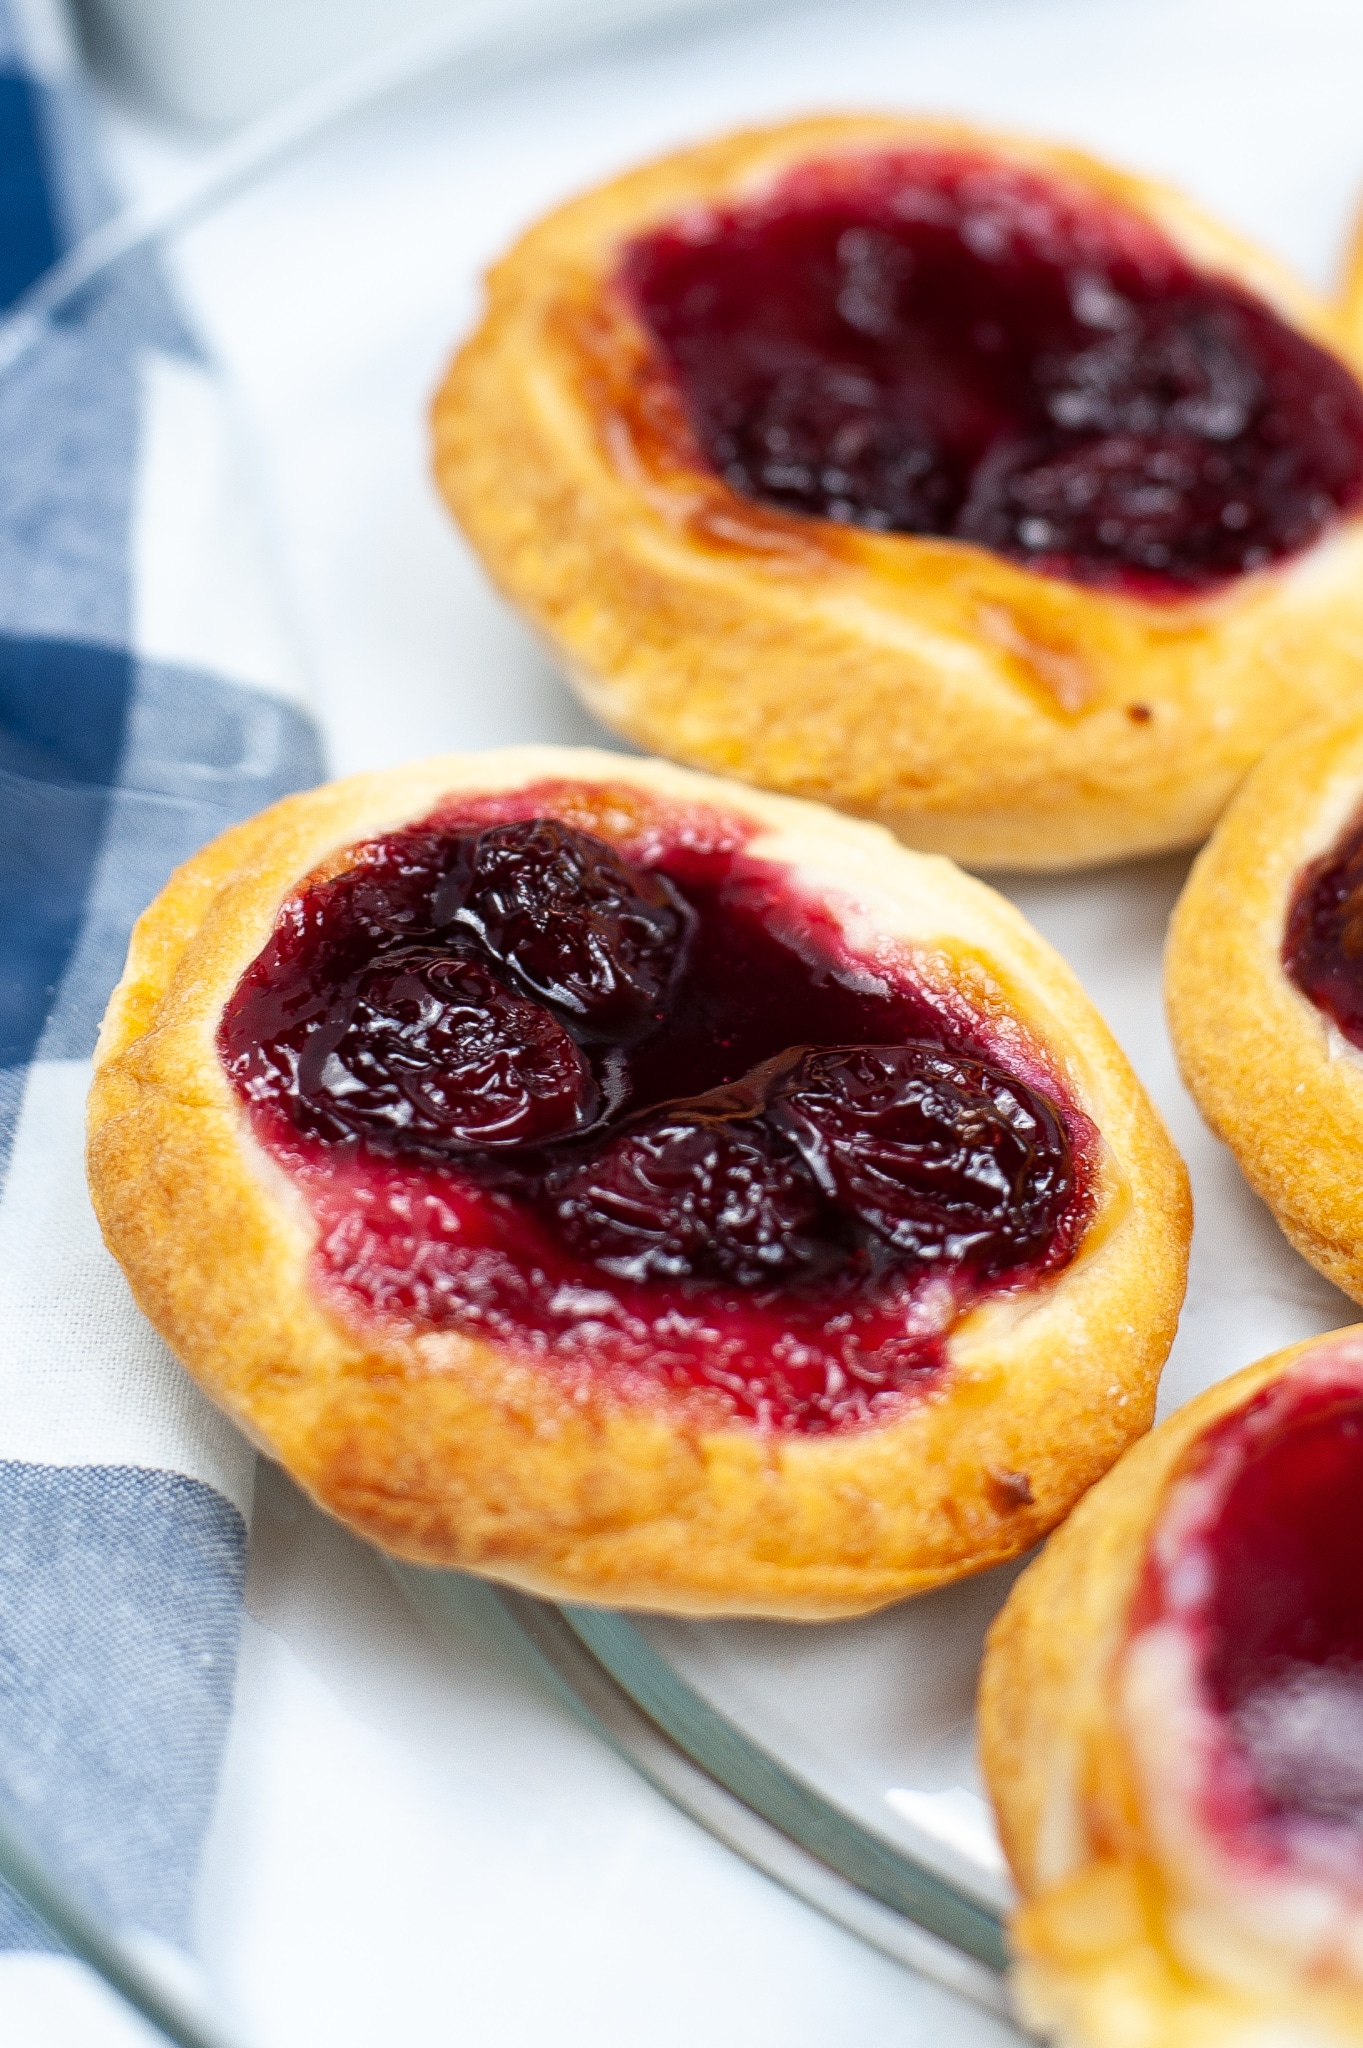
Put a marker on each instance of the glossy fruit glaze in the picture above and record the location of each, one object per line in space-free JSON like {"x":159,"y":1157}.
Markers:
{"x":1267,"y":1579}
{"x":1323,"y":939}
{"x":936,"y":343}
{"x":636,"y":1109}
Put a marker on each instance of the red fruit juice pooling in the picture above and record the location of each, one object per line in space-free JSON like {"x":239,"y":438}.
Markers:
{"x":934,"y":343}
{"x":644,"y":1118}
{"x":1323,"y":942}
{"x":1280,"y":1620}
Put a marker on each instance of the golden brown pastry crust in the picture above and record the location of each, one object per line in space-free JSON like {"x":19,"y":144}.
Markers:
{"x":1100,"y":1958}
{"x":1270,"y":1074}
{"x":973,"y":706}
{"x":446,"y":1451}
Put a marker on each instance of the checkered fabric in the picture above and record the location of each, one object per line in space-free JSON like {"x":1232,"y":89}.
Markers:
{"x":148,"y":699}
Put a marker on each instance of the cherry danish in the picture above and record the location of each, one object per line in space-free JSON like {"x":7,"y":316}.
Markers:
{"x":1171,"y":1709}
{"x":962,"y":480}
{"x":617,"y":1177}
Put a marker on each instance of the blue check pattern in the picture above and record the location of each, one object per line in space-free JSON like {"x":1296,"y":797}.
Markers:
{"x":120,"y":1581}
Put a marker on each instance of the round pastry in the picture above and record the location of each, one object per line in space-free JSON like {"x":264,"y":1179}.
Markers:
{"x":954,"y":479}
{"x":1264,"y":980}
{"x":1171,"y":1713}
{"x":634,"y":1187}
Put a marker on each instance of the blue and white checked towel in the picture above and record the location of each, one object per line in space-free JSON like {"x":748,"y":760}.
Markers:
{"x":148,"y":698}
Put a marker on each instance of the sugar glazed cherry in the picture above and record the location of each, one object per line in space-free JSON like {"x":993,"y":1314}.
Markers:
{"x":931,"y":342}
{"x":647,"y":1111}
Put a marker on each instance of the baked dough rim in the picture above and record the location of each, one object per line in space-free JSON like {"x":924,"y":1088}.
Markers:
{"x":430,"y":1445}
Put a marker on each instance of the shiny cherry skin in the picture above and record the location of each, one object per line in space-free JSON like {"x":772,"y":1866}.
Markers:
{"x":433,"y":1053}
{"x":576,"y":927}
{"x":684,"y":1195}
{"x":946,"y":1158}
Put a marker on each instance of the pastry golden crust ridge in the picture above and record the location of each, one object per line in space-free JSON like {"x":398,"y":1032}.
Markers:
{"x":1270,"y":1072}
{"x":1137,"y":1926}
{"x":971,"y":704}
{"x":452,"y":1450}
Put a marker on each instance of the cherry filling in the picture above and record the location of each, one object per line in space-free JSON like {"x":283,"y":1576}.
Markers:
{"x":1265,"y":1578}
{"x":933,"y":343}
{"x":1323,"y":941}
{"x":642,"y":1112}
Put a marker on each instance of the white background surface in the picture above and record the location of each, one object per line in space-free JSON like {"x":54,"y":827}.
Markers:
{"x":416,"y":1842}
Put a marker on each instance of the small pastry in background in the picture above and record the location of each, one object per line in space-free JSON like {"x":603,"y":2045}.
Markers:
{"x":1264,"y":982}
{"x":955,"y":479}
{"x":1171,"y":1714}
{"x":634,"y":1187}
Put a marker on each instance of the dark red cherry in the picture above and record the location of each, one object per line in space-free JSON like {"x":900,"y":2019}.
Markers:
{"x":686,"y":1196}
{"x":433,"y":1054}
{"x":1323,"y":942}
{"x":949,"y":1159}
{"x":931,"y":343}
{"x":579,"y":927}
